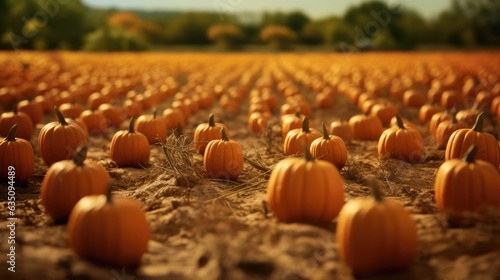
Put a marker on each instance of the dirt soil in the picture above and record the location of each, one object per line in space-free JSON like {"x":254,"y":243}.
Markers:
{"x":212,"y":229}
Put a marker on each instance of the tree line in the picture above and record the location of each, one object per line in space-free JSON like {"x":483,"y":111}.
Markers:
{"x":63,"y":24}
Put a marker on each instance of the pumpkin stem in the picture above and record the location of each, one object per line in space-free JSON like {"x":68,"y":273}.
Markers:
{"x":154,"y":113}
{"x":373,"y":183}
{"x":307,"y":153}
{"x":60,"y":116}
{"x":478,"y":126}
{"x":325,"y":132}
{"x":131,"y":128}
{"x":211,"y":121}
{"x":223,"y":134}
{"x":11,"y":136}
{"x":470,"y":155}
{"x":454,"y":119}
{"x":297,"y":113}
{"x":14,"y":109}
{"x":109,"y":197}
{"x":400,"y":122}
{"x":305,"y":125}
{"x":80,"y":155}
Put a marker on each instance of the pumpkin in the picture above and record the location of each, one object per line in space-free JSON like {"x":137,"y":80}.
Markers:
{"x":436,"y":119}
{"x":468,"y":116}
{"x":96,"y":99}
{"x":174,"y":118}
{"x":206,"y":132}
{"x":342,"y":130}
{"x":366,"y":246}
{"x":114,"y":114}
{"x":109,"y":230}
{"x":223,"y":158}
{"x":71,"y":110}
{"x":385,"y":111}
{"x":81,"y":124}
{"x":129,"y":148}
{"x":32,"y":109}
{"x":323,"y":100}
{"x":457,"y":190}
{"x":406,"y":122}
{"x":330,"y":148}
{"x":67,"y":181}
{"x":25,"y":128}
{"x":290,"y":121}
{"x":401,"y":143}
{"x":445,"y":129}
{"x":58,"y":140}
{"x":488,"y":148}
{"x":257,"y":122}
{"x":132,"y":109}
{"x":414,"y":98}
{"x":301,"y":189}
{"x":18,"y":153}
{"x":95,"y":121}
{"x":295,"y":138}
{"x":365,"y":127}
{"x":426,"y":112}
{"x":451,"y":98}
{"x":155,"y":129}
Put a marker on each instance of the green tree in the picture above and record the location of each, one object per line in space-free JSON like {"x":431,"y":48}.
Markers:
{"x":296,"y":21}
{"x":113,"y":39}
{"x":190,"y":28}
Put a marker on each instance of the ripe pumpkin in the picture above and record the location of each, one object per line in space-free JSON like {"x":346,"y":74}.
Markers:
{"x":114,"y":114}
{"x":290,"y":121}
{"x":206,"y":132}
{"x":174,"y":118}
{"x":223,"y":159}
{"x":436,"y":119}
{"x":18,"y":153}
{"x":414,"y":98}
{"x":301,"y":189}
{"x":95,"y":121}
{"x":71,"y":110}
{"x":330,"y":148}
{"x":457,"y":191}
{"x":385,"y":111}
{"x":342,"y":130}
{"x":366,"y":246}
{"x":109,"y":230}
{"x":365,"y":127}
{"x":25,"y":128}
{"x":401,"y":143}
{"x":426,"y":112}
{"x":58,"y":140}
{"x":445,"y":129}
{"x":462,"y":139}
{"x":32,"y":109}
{"x":155,"y":129}
{"x":68,"y":181}
{"x":257,"y":122}
{"x":129,"y":148}
{"x":295,"y":138}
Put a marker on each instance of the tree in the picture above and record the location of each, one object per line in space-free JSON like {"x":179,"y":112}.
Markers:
{"x":113,"y":39}
{"x":227,"y":36}
{"x":279,"y":37}
{"x":190,"y":28}
{"x":296,"y":21}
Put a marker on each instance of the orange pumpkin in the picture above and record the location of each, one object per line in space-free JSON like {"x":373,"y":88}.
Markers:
{"x":462,"y":139}
{"x":94,"y":215}
{"x":436,"y":119}
{"x":387,"y":247}
{"x":445,"y":129}
{"x":330,"y":148}
{"x":71,"y":110}
{"x":365,"y":127}
{"x":95,"y":121}
{"x":414,"y":98}
{"x":68,"y":181}
{"x":155,"y":129}
{"x":114,"y":114}
{"x":457,"y":191}
{"x":426,"y":112}
{"x":58,"y":140}
{"x":301,"y":189}
{"x":401,"y":143}
{"x":25,"y":128}
{"x":206,"y":132}
{"x":223,"y":158}
{"x":129,"y":148}
{"x":323,"y":100}
{"x":174,"y":118}
{"x":290,"y":121}
{"x":18,"y":159}
{"x":295,"y":138}
{"x":257,"y":122}
{"x":385,"y":111}
{"x":342,"y":130}
{"x":32,"y":109}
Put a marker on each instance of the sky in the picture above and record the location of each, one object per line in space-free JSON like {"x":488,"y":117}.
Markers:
{"x":314,"y":8}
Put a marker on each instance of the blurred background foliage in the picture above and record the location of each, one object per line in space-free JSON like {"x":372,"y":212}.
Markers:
{"x":371,"y":25}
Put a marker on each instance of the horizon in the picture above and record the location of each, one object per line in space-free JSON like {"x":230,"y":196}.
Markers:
{"x":426,"y":8}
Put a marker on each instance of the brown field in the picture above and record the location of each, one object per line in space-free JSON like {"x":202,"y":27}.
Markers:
{"x":204,"y":228}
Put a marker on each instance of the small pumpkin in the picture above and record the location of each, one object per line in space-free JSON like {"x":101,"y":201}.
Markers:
{"x":257,"y":122}
{"x":18,"y":153}
{"x":301,"y":189}
{"x":58,"y":140}
{"x":25,"y":128}
{"x":71,"y":110}
{"x":342,"y":130}
{"x":324,"y":100}
{"x":445,"y":129}
{"x":330,"y":148}
{"x":488,"y":148}
{"x":426,"y":112}
{"x":32,"y":109}
{"x":436,"y":119}
{"x":414,"y":98}
{"x":385,"y":111}
{"x":95,"y":121}
{"x":387,"y":247}
{"x":223,"y":158}
{"x":129,"y":148}
{"x":457,"y":191}
{"x":295,"y":138}
{"x":174,"y":118}
{"x":114,"y":114}
{"x":365,"y":127}
{"x":290,"y":121}
{"x":68,"y":181}
{"x":206,"y":132}
{"x":109,"y":230}
{"x":155,"y":129}
{"x":401,"y":143}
